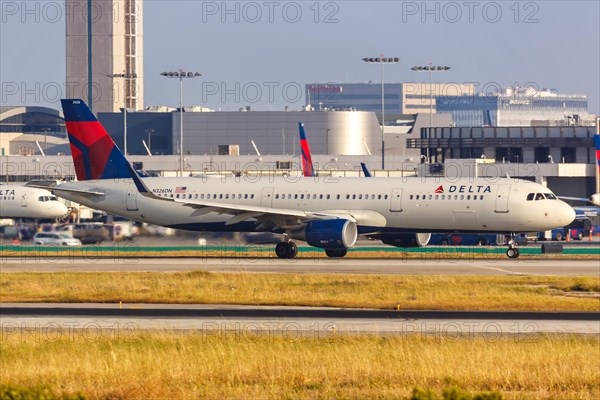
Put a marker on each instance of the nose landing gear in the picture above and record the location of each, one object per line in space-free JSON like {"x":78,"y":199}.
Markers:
{"x":513,"y":251}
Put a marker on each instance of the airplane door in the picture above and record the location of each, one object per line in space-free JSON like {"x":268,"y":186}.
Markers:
{"x":132,"y":197}
{"x":24,"y":200}
{"x":266,"y":198}
{"x":396,"y":200}
{"x":502,"y":198}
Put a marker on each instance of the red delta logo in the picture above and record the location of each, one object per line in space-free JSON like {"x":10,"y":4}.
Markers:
{"x":439,"y":189}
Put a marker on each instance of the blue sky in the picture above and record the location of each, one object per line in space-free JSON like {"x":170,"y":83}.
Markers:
{"x":249,"y":55}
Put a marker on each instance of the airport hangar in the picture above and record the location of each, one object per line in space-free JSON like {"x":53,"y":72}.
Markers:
{"x":561,"y":157}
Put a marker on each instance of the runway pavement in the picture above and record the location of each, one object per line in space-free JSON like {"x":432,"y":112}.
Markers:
{"x":464,"y":266}
{"x":291,"y":322}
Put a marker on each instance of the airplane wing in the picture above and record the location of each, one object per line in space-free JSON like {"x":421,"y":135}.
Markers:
{"x":283,"y":218}
{"x":59,"y":189}
{"x":573,"y":198}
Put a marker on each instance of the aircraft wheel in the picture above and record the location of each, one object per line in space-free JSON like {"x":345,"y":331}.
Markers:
{"x":282,"y":249}
{"x":559,"y":236}
{"x":336,"y":253}
{"x":292,"y":250}
{"x":512,"y":253}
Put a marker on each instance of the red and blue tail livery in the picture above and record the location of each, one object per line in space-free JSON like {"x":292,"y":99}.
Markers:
{"x":307,"y":164}
{"x":95,"y":154}
{"x":597,"y":144}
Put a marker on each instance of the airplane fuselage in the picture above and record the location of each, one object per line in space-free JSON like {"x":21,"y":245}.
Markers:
{"x":377,"y":205}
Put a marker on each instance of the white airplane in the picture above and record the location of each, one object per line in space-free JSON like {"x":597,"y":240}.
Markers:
{"x":327,"y":213}
{"x":18,"y":201}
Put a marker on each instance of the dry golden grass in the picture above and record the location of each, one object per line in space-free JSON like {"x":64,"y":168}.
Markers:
{"x":368,"y":291}
{"x":164,"y":365}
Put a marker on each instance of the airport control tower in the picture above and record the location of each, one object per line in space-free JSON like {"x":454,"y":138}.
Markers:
{"x":105,"y":39}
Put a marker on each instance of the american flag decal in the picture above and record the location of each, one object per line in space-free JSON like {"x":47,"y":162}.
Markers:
{"x":180,"y":189}
{"x":439,"y":189}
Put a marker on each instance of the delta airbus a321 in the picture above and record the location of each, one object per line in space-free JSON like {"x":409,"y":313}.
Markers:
{"x":326,"y":213}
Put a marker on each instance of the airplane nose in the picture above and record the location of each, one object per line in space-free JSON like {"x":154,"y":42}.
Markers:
{"x":62,"y":209}
{"x":568,"y":213}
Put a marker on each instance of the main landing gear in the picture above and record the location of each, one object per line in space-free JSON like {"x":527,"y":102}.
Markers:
{"x":336,"y":253}
{"x":286,"y":249}
{"x":513,"y":251}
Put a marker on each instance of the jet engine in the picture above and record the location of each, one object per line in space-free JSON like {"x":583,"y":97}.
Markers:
{"x":328,"y":234}
{"x":406,"y":239}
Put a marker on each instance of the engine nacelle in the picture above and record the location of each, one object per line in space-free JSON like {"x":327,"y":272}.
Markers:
{"x":406,"y":239}
{"x":328,"y":234}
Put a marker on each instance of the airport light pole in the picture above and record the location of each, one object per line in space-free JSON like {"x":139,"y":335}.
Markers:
{"x":429,"y":67}
{"x":125,"y":77}
{"x":150,"y":131}
{"x":181,"y":75}
{"x":382,"y":61}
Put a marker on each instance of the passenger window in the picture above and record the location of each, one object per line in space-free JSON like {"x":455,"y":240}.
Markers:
{"x":353,"y":197}
{"x":252,"y":196}
{"x":321,"y":197}
{"x":379,"y":197}
{"x":277,"y":196}
{"x":468,"y":197}
{"x":347,"y":197}
{"x":430,"y":196}
{"x":360,"y":196}
{"x":410,"y":197}
{"x":437,"y":196}
{"x":296,"y":196}
{"x":481,"y":197}
{"x":328,"y":196}
{"x":315,"y":196}
{"x":443,"y":197}
{"x":372,"y":197}
{"x":385,"y":197}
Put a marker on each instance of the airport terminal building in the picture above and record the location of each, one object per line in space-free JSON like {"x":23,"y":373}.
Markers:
{"x":515,"y":107}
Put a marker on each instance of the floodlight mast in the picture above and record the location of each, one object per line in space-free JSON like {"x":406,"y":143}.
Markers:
{"x":180,"y":75}
{"x":381,"y":61}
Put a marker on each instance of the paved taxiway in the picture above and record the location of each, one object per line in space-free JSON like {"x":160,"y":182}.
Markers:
{"x":464,"y":266}
{"x":290,"y":322}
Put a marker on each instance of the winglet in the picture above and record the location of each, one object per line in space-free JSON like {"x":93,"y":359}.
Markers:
{"x":307,"y":164}
{"x":366,"y":170}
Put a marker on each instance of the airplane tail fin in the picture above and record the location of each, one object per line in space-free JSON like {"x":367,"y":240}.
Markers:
{"x":95,"y":154}
{"x":366,"y":170}
{"x":597,"y":145}
{"x":307,"y":164}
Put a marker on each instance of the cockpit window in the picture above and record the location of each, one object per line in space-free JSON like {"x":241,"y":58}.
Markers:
{"x":550,"y":196}
{"x":530,"y":196}
{"x":539,"y":196}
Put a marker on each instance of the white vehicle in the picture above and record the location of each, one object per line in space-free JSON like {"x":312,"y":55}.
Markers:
{"x":325,"y":212}
{"x":55,"y":238}
{"x":18,"y":201}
